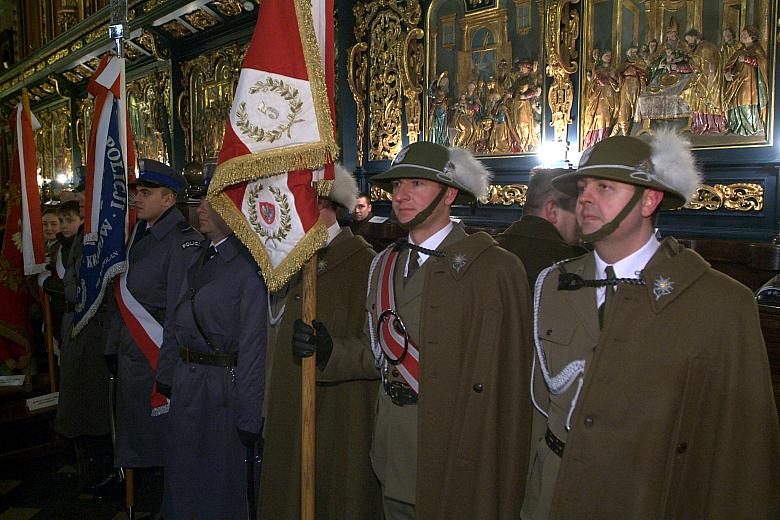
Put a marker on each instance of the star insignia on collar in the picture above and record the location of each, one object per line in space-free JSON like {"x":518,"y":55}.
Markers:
{"x":322,"y":264}
{"x":458,"y":262}
{"x":662,"y":287}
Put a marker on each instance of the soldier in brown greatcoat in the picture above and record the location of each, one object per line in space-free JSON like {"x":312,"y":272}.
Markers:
{"x":345,"y":485}
{"x":651,"y":381}
{"x":450,"y":327}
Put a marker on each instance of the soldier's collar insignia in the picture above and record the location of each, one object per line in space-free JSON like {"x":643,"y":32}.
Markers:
{"x":322,"y":265}
{"x":458,"y":262}
{"x":662,"y":287}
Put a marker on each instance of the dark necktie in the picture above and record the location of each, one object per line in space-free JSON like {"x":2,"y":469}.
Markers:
{"x":141,"y":232}
{"x":211,"y":252}
{"x":414,"y":264}
{"x":609,"y":292}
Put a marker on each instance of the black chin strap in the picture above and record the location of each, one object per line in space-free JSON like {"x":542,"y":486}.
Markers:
{"x":421,"y":216}
{"x":611,"y":226}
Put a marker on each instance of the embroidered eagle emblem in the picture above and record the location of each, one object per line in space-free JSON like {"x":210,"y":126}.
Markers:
{"x":458,"y":262}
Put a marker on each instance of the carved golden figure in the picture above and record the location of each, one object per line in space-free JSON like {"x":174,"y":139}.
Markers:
{"x":633,"y":78}
{"x":703,"y":93}
{"x":502,"y":136}
{"x":746,"y":91}
{"x":602,"y":102}
{"x":524,"y":116}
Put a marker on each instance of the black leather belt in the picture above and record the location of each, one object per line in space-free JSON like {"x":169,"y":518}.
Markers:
{"x":400,"y":393}
{"x":554,"y":443}
{"x":206,"y":358}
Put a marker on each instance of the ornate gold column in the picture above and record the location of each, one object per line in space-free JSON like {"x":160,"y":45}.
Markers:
{"x":563,"y":25}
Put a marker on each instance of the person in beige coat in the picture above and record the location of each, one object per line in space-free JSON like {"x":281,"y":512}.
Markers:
{"x":651,"y":382}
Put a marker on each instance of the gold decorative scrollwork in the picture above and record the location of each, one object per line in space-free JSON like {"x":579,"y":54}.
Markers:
{"x":149,"y":109}
{"x":200,"y":19}
{"x":505,"y":195}
{"x":412,"y":72}
{"x":228,"y":7}
{"x":741,"y":196}
{"x":209,"y":82}
{"x":356,"y":77}
{"x":149,"y":42}
{"x":385,"y":26}
{"x":562,"y":33}
{"x":378,"y":194}
{"x":83,"y":123}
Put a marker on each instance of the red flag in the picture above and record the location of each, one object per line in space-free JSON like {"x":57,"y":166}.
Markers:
{"x":280,"y":129}
{"x":14,"y":322}
{"x":33,"y":249}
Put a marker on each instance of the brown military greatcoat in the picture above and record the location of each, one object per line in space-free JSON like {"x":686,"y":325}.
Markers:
{"x":675,"y":417}
{"x":345,"y":484}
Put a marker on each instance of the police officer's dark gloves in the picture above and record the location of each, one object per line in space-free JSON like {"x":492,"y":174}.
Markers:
{"x":248,"y":439}
{"x":307,"y":340}
{"x":112,"y":362}
{"x":164,"y":389}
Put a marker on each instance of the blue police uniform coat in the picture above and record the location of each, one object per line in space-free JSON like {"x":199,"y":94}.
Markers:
{"x":206,"y":467}
{"x":157,"y":268}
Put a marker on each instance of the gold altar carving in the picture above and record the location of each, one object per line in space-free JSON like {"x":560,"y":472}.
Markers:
{"x":149,"y":108}
{"x":203,"y":107}
{"x":53,"y":142}
{"x":412,"y":58}
{"x":356,"y":78}
{"x":704,"y":68}
{"x":741,"y":196}
{"x":228,"y":7}
{"x":387,"y":31}
{"x":562,"y":33}
{"x":83,"y":124}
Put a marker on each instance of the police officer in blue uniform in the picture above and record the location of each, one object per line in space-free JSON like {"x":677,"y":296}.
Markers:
{"x":218,"y":377}
{"x":162,"y":244}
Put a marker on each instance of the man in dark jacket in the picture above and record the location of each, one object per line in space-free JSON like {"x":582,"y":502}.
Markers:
{"x":547,"y":231}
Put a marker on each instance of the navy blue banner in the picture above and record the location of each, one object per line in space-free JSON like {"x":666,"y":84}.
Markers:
{"x":103,"y":255}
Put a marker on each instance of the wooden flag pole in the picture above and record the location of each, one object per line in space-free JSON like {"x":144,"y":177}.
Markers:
{"x":307,"y":394}
{"x":49,"y":339}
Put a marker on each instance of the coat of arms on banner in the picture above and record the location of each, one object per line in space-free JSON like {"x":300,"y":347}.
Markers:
{"x":267,"y":207}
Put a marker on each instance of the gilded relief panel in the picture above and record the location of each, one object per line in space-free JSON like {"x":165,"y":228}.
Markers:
{"x":149,"y":108}
{"x":485,"y":64}
{"x":53,"y":143}
{"x":704,"y":68}
{"x":209,"y":82}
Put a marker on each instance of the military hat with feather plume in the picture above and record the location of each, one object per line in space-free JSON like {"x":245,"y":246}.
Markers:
{"x":342,"y":190}
{"x":454,"y":167}
{"x":664,"y":163}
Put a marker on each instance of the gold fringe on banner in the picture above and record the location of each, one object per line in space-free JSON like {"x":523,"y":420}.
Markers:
{"x":269,"y":163}
{"x":323,"y":188}
{"x":275,"y":277}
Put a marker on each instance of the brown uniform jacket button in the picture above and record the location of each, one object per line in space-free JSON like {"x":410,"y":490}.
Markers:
{"x":477,"y":388}
{"x":395,"y":373}
{"x":682,"y":447}
{"x":589,"y":421}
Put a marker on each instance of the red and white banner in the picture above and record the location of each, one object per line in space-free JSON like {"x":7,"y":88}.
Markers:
{"x":145,"y":331}
{"x":107,"y":84}
{"x":33,"y":247}
{"x":280,"y":138}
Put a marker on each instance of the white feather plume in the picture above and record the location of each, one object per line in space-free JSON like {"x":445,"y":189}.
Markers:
{"x":673,"y":162}
{"x":345,"y":188}
{"x":470,"y":172}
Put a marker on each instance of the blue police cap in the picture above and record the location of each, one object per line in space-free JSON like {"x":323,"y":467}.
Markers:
{"x":155,"y":174}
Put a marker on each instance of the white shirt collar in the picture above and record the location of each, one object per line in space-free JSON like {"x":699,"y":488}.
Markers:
{"x":632,"y":265}
{"x":333,"y":232}
{"x":220,"y":242}
{"x":432,"y":242}
{"x":628,"y":267}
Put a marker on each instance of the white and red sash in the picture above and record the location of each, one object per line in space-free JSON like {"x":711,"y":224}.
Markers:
{"x":391,"y":340}
{"x":145,"y":331}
